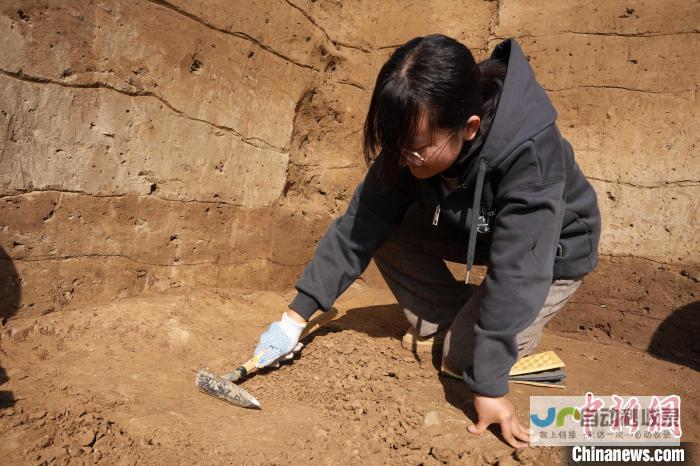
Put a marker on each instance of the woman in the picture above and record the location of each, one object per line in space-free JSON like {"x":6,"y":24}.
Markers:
{"x":467,"y":164}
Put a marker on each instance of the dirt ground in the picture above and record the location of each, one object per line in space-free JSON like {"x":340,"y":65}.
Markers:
{"x":114,"y":384}
{"x":158,"y":155}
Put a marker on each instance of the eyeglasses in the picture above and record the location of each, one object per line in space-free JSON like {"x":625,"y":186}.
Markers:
{"x":411,"y":157}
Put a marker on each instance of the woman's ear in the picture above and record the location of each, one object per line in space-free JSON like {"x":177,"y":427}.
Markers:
{"x":472,"y":127}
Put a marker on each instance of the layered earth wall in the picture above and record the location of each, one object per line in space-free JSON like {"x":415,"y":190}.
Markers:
{"x":147,"y":145}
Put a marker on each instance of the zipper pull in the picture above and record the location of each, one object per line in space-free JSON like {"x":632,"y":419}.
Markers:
{"x":436,"y":217}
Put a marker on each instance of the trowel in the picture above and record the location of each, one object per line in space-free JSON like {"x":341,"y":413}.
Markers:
{"x":224,"y":387}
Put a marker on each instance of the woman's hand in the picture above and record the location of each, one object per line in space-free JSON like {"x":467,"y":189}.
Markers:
{"x":499,"y":410}
{"x":280,"y":340}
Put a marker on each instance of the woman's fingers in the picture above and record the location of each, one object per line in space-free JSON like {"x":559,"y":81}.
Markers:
{"x":507,"y":433}
{"x":519,"y":431}
{"x":478,"y":428}
{"x":500,"y":411}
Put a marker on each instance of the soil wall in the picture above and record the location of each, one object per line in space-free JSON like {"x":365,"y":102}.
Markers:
{"x":148,"y":145}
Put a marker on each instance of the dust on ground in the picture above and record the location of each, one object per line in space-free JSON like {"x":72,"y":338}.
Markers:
{"x":115,"y":385}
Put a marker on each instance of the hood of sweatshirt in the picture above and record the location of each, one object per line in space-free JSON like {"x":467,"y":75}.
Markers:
{"x":524,"y":109}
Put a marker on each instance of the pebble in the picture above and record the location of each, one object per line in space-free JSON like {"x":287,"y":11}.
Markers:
{"x":86,"y":437}
{"x":75,"y":450}
{"x":432,"y":418}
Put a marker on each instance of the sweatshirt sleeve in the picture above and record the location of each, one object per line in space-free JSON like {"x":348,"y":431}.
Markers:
{"x":349,"y":243}
{"x":529,"y":209}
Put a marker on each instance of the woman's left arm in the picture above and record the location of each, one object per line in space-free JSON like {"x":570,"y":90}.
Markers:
{"x":521,"y":262}
{"x":530,"y":208}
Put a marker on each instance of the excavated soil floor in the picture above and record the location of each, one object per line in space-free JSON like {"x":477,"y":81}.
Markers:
{"x":114,"y":384}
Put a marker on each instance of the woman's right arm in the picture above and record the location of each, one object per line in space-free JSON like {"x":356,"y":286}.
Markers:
{"x":349,"y":243}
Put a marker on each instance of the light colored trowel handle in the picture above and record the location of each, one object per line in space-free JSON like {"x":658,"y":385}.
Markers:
{"x":318,"y":321}
{"x":250,"y":366}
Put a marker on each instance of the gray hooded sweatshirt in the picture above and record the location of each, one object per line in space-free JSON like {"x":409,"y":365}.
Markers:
{"x":522,"y":207}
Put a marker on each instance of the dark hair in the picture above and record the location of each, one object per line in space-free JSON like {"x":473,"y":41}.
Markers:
{"x":433,"y":74}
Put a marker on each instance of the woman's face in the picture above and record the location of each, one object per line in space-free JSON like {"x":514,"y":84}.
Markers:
{"x":440,"y":149}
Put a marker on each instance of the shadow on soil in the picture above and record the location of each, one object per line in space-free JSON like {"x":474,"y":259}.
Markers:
{"x":10,"y":292}
{"x":676,"y":339}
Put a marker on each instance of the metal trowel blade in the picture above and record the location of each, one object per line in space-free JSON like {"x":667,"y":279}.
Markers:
{"x":225,"y":390}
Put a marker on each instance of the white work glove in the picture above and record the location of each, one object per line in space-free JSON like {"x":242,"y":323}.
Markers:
{"x":280,"y":341}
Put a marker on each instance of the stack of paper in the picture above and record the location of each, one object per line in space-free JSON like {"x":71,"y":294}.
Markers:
{"x":541,"y":369}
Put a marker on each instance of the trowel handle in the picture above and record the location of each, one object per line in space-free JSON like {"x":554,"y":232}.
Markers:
{"x":319,"y":321}
{"x":250,"y":366}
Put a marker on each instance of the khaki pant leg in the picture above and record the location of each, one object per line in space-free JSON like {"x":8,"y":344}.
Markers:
{"x":413,"y":266}
{"x":560,"y":293}
{"x":458,"y":349}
